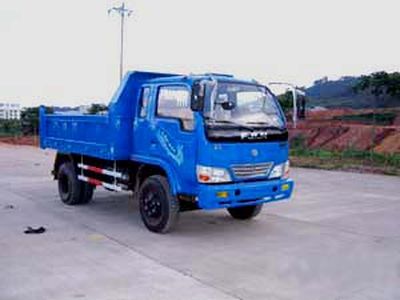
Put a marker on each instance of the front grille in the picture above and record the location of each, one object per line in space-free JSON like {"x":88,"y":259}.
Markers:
{"x":252,"y":170}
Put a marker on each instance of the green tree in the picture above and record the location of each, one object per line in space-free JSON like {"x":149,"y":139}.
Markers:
{"x":286,"y":101}
{"x":10,"y":127}
{"x":30,"y":119}
{"x":96,"y":108}
{"x":379,"y":84}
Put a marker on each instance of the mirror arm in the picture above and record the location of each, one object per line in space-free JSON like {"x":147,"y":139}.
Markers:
{"x":198,"y":95}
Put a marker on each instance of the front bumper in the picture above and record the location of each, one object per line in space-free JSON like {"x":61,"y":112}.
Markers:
{"x":243,"y":193}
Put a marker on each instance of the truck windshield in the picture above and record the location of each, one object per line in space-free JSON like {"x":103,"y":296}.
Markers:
{"x":242,"y":105}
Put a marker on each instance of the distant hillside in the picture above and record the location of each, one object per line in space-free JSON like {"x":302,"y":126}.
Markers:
{"x":339,"y":93}
{"x":327,"y":89}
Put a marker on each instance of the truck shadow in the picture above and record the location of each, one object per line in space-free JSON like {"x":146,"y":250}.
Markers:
{"x":116,"y":209}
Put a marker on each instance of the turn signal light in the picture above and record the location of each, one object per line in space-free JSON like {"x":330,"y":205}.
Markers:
{"x":223,"y":194}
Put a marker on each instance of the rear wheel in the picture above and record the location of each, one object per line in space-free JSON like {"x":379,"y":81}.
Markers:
{"x":86,"y":192}
{"x":71,"y":190}
{"x":159,"y":209}
{"x":69,"y":187}
{"x":245,"y":212}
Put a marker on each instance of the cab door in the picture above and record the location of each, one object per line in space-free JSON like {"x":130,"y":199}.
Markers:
{"x":141,"y":125}
{"x":172,"y":134}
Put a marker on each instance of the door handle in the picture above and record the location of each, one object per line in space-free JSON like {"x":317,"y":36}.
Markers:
{"x":153,"y":143}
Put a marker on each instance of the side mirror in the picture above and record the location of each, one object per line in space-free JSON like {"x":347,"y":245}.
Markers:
{"x":198,"y":95}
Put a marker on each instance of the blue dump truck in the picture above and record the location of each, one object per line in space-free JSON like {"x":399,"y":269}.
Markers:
{"x":178,"y":143}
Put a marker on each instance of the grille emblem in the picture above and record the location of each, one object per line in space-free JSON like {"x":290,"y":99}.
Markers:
{"x":254,"y":152}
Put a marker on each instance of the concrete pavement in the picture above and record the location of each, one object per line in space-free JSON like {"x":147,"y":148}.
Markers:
{"x":339,"y":238}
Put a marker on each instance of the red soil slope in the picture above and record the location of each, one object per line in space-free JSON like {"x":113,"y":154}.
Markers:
{"x":320,"y":131}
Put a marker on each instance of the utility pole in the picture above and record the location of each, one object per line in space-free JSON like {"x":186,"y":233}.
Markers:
{"x":123,"y":12}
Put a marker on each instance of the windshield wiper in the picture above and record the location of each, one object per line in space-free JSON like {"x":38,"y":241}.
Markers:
{"x":265,"y":123}
{"x":240,"y":125}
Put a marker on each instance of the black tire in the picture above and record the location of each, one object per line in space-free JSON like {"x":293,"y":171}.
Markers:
{"x":159,"y":209}
{"x":69,"y":187}
{"x":245,"y":212}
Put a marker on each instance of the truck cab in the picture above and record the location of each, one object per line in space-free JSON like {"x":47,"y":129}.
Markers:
{"x":182,"y":142}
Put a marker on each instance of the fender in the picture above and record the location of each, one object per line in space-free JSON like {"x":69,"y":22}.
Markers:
{"x":59,"y":160}
{"x":171,"y":173}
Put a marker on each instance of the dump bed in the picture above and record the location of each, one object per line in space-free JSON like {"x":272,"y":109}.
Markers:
{"x":104,"y":136}
{"x":98,"y":136}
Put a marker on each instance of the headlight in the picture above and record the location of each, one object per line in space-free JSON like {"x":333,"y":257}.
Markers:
{"x":212,"y":175}
{"x":280,"y":171}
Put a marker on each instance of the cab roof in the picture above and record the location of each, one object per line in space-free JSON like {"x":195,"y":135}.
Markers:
{"x":159,"y":78}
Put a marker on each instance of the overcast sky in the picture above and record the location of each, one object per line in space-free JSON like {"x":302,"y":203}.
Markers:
{"x":67,"y":52}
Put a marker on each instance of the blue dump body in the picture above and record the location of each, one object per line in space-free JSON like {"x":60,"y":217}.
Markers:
{"x":138,"y":130}
{"x":103,"y":136}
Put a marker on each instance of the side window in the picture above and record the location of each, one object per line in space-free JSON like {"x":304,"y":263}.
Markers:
{"x":144,"y":101}
{"x":174,"y":102}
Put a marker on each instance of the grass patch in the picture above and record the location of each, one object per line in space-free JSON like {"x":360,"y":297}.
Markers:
{"x":10,"y":128}
{"x":351,"y":160}
{"x":369,"y":118}
{"x":10,"y":134}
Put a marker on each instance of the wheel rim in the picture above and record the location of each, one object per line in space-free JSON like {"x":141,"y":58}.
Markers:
{"x":152,"y":205}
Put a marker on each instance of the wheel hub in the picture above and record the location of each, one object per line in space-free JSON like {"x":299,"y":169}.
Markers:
{"x":152,"y":206}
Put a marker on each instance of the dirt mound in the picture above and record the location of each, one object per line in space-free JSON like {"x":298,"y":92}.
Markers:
{"x":359,"y":138}
{"x":322,"y":136}
{"x":338,"y":138}
{"x":320,"y":130}
{"x":391,"y":144}
{"x":21,"y":140}
{"x":328,"y":114}
{"x":396,"y":121}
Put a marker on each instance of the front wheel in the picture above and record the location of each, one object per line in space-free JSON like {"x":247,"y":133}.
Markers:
{"x":245,"y":212}
{"x":159,"y":209}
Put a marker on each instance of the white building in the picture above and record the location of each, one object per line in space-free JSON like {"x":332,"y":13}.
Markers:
{"x":10,"y":111}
